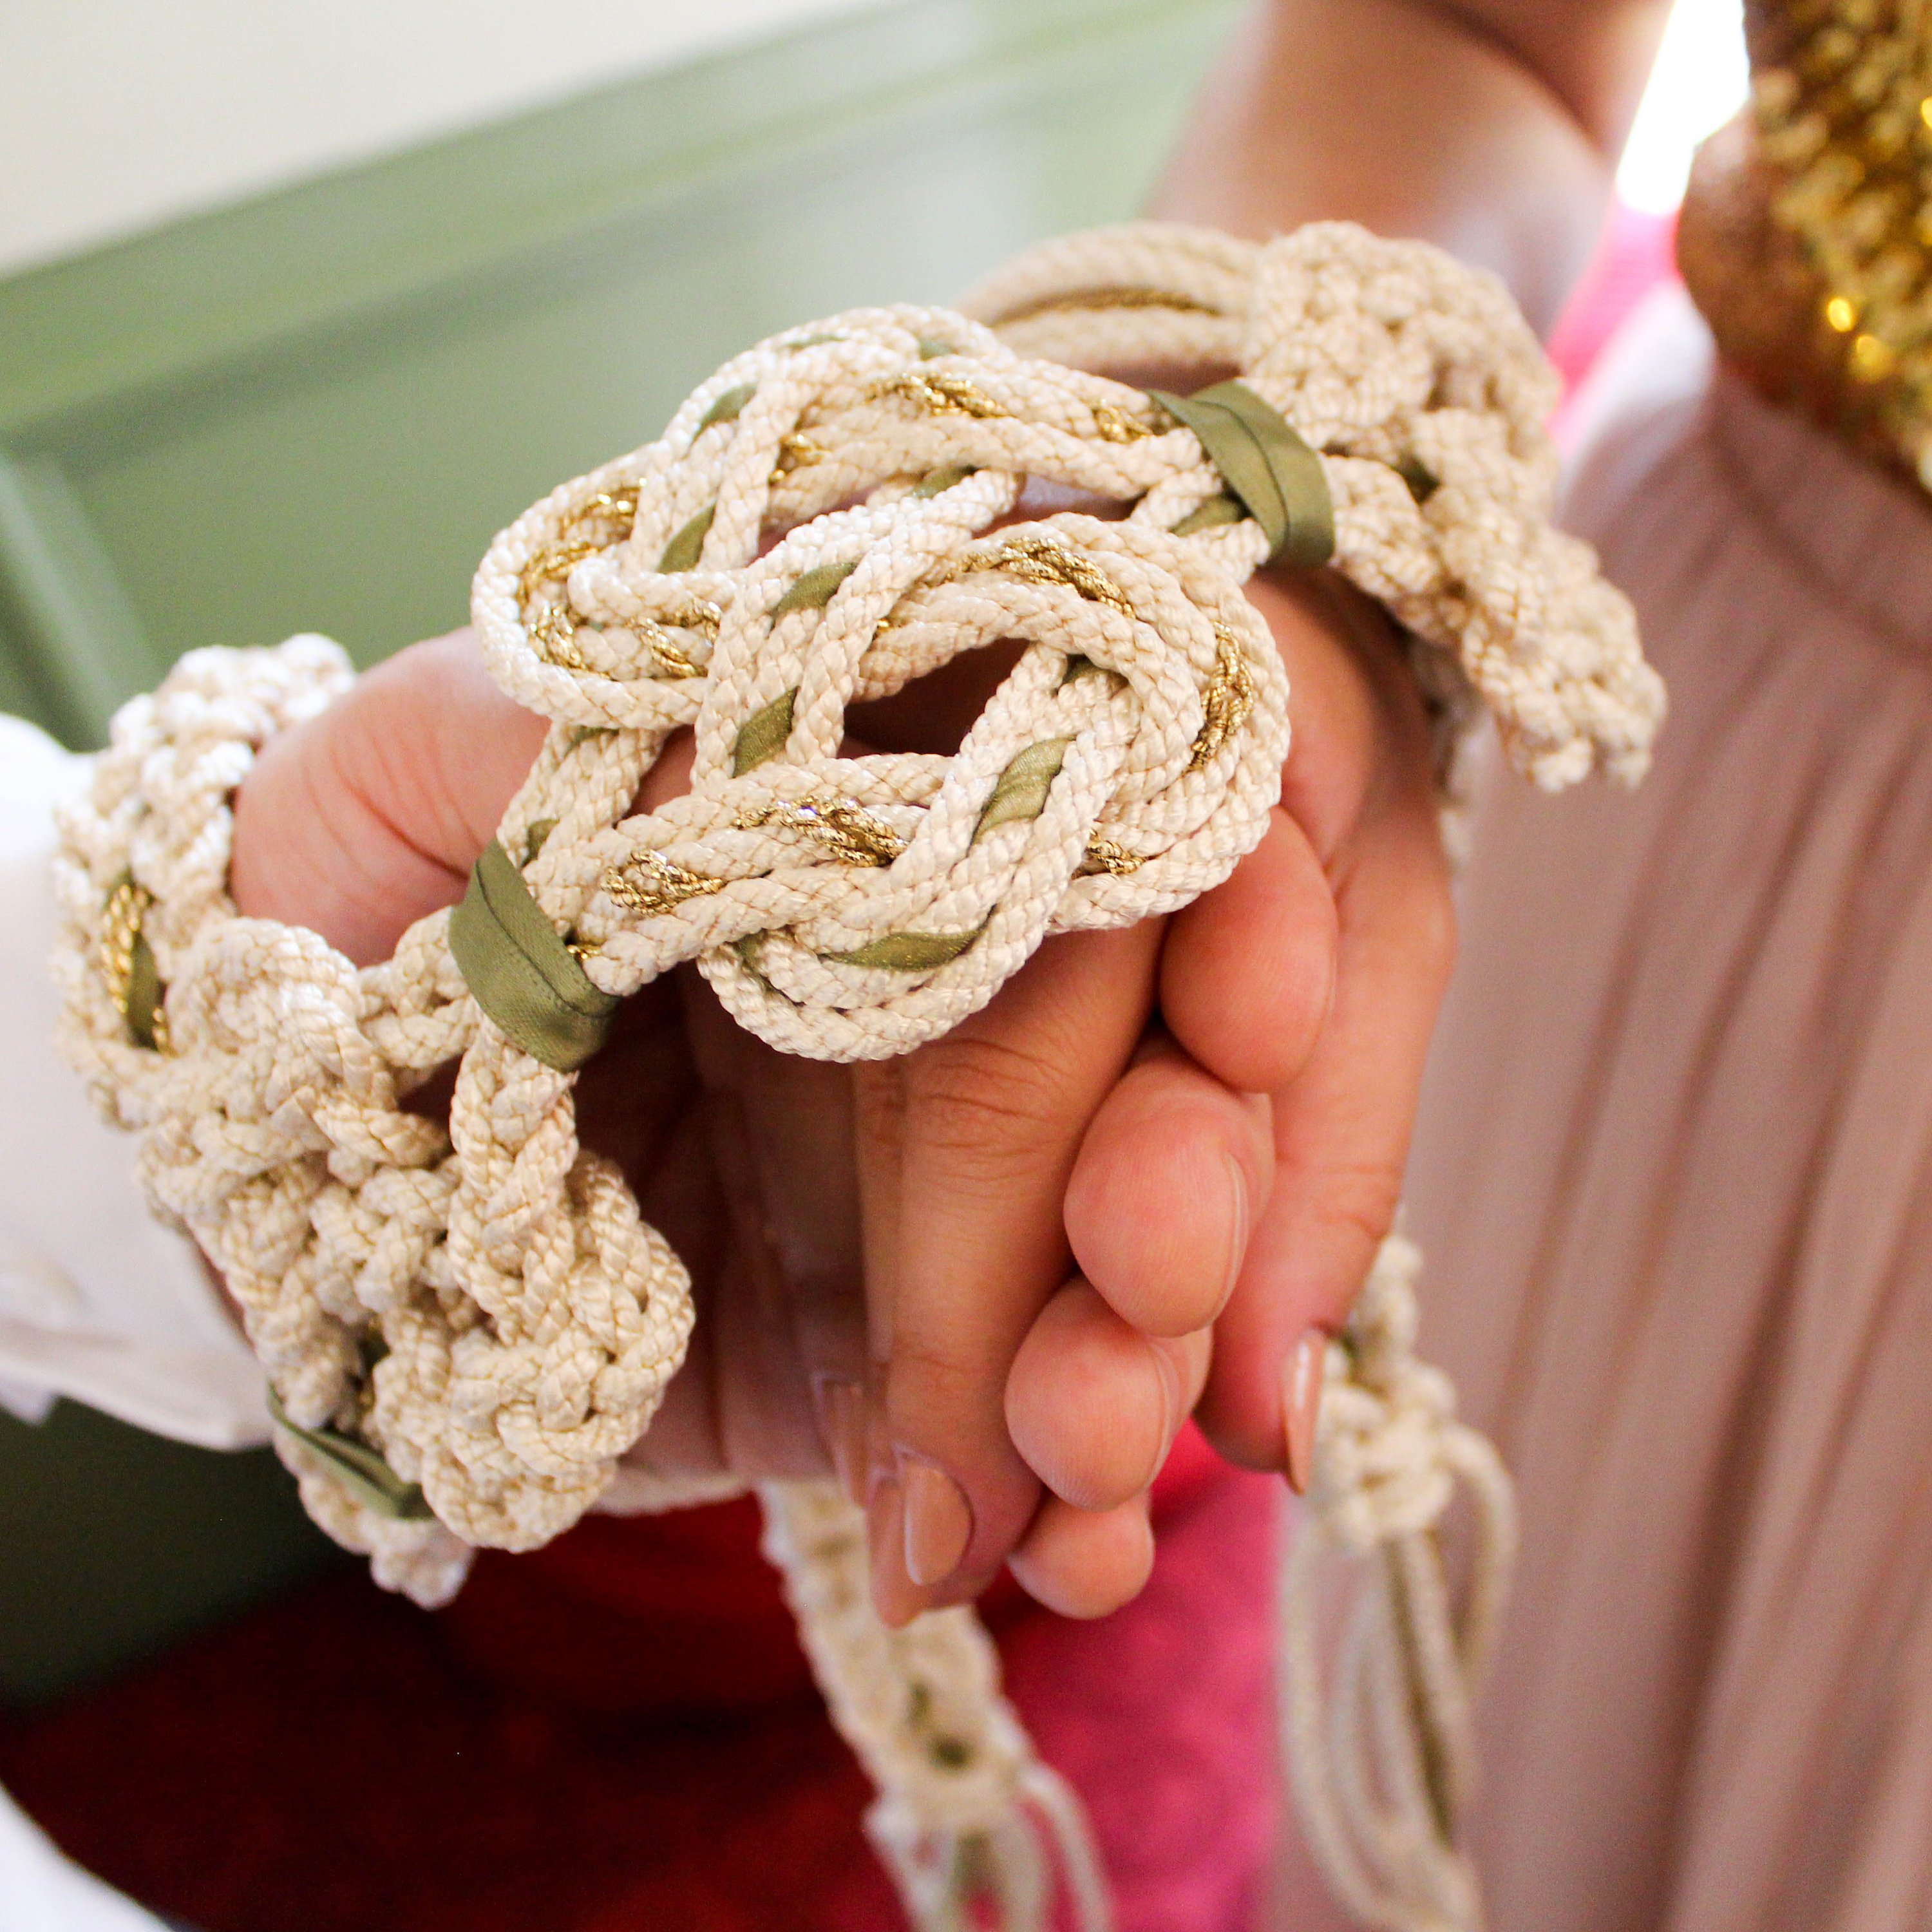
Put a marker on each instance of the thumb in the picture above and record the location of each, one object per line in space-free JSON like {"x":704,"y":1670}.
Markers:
{"x":366,"y":818}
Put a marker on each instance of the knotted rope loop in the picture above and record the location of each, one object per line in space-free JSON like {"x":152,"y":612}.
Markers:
{"x":847,"y":907}
{"x":1424,"y":395}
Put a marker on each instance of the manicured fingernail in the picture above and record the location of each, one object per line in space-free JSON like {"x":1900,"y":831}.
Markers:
{"x":842,"y":1421}
{"x":938,"y":1520}
{"x":893,"y":1595}
{"x":1301,"y":1403}
{"x":1237,"y":1225}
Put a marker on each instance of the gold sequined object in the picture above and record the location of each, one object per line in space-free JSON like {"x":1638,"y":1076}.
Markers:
{"x":1842,"y":102}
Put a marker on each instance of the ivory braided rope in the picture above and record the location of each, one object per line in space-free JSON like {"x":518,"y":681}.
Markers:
{"x":481,"y":1315}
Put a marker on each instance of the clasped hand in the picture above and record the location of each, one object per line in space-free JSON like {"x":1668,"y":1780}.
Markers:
{"x":985,"y":1283}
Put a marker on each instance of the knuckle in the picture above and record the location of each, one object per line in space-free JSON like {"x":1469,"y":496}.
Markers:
{"x":976,"y":1097}
{"x":1357,"y":1208}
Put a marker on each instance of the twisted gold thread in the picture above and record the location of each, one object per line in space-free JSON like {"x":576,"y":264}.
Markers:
{"x":1041,"y":560}
{"x":1115,"y":425}
{"x":855,"y":835}
{"x":620,"y":505}
{"x":554,"y":634}
{"x":121,"y":922}
{"x":941,"y":394}
{"x":1109,"y":855}
{"x":649,"y":884}
{"x":1229,"y":698}
{"x":796,"y":451}
{"x":1092,"y":299}
{"x":554,"y":562}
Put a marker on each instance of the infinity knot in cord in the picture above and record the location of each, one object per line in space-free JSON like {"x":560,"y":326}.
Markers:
{"x":853,"y":906}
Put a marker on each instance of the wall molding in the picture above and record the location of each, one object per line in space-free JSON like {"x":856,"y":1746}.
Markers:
{"x":139,"y":512}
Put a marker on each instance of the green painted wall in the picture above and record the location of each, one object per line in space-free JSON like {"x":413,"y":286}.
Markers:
{"x":313,"y":412}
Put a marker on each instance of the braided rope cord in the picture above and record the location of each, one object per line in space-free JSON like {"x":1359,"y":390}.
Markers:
{"x":482,"y":1314}
{"x":1382,"y":1757}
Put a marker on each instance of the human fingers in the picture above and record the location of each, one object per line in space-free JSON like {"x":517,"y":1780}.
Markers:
{"x":361,"y":821}
{"x":1247,"y":975}
{"x":1093,"y":1404}
{"x":782,"y":1134}
{"x":968,"y":1145}
{"x":1086,"y":1563}
{"x":1171,"y":1178}
{"x":1342,"y":1125}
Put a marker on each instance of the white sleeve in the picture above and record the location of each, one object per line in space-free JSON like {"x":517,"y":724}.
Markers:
{"x":41,"y":1891}
{"x":98,"y":1301}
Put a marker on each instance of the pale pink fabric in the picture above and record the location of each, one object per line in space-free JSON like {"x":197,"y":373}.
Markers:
{"x":1674,"y":1180}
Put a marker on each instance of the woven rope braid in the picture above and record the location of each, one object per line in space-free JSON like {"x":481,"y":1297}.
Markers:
{"x":1382,"y":1757}
{"x":465,"y":1331}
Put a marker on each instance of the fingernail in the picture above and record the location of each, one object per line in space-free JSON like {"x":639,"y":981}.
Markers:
{"x":894,"y":1597}
{"x":1167,"y":1372}
{"x":938,"y":1520}
{"x":1301,"y":1402}
{"x":1237,"y":1239}
{"x":842,"y":1421}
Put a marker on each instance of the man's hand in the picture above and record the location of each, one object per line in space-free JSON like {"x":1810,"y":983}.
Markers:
{"x":369,"y":818}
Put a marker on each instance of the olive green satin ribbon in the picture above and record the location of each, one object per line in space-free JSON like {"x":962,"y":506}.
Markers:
{"x":358,"y":1468}
{"x":1276,"y":475}
{"x":520,"y":972}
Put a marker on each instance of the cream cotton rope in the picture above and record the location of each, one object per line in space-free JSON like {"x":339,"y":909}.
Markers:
{"x":464,"y":1331}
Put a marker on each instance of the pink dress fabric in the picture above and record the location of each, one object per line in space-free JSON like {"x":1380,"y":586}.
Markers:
{"x":1673,"y":1178}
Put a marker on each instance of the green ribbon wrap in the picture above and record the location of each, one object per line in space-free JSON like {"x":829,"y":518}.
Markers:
{"x":358,"y":1468}
{"x":1273,"y":473}
{"x":520,"y":972}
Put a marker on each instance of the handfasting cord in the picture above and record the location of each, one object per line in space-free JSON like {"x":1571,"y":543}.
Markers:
{"x":464,"y":1330}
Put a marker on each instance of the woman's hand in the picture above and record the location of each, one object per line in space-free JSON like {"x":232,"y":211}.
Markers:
{"x":1187,"y":1133}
